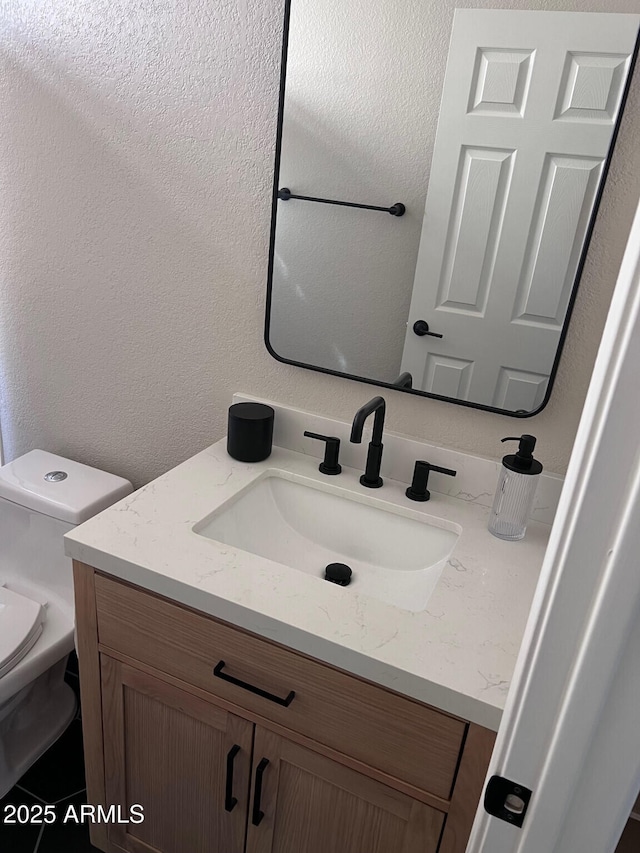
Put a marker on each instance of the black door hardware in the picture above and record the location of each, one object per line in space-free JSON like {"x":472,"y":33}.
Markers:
{"x":506,"y":800}
{"x":257,"y":815}
{"x":229,"y":800}
{"x":217,"y":671}
{"x":397,"y":209}
{"x":331,"y":453}
{"x":421,"y":328}
{"x":418,"y":490}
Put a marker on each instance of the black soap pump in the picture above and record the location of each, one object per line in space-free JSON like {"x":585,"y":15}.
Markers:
{"x":515,"y":491}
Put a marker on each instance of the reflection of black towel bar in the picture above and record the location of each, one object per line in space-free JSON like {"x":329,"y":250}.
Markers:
{"x":397,"y":209}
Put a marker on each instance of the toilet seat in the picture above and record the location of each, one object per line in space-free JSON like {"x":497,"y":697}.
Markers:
{"x":21,"y":623}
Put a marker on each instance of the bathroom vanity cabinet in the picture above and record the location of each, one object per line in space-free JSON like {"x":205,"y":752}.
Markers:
{"x":232,"y":743}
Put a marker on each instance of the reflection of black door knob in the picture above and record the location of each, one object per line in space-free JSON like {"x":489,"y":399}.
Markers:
{"x":421,"y":328}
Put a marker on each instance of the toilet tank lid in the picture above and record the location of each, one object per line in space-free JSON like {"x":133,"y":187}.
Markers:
{"x":84,"y":492}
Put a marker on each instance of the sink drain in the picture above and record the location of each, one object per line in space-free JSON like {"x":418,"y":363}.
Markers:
{"x":338,"y":573}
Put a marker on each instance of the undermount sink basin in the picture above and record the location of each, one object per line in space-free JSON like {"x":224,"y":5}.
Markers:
{"x":396,"y":555}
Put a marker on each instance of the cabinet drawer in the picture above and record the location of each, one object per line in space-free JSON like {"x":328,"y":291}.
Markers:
{"x":394,"y":734}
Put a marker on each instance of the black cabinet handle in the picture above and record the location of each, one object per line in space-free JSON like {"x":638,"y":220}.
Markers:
{"x":257,"y":793}
{"x":229,"y":800}
{"x":217,"y":671}
{"x":421,"y":328}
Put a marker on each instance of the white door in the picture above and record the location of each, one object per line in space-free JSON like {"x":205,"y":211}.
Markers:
{"x":570,"y":731}
{"x":529,"y":104}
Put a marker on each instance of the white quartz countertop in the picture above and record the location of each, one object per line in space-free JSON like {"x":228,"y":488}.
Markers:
{"x":457,"y":655}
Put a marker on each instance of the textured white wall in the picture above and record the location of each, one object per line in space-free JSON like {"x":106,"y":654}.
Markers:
{"x":137,"y":153}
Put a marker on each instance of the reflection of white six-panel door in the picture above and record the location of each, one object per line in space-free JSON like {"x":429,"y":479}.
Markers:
{"x":529,"y":105}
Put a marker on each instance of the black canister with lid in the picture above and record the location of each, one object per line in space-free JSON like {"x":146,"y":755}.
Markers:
{"x":250,"y":431}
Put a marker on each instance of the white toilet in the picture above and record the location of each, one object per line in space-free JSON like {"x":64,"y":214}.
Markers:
{"x":42,"y":496}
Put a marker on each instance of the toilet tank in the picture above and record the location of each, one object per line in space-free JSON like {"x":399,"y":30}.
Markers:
{"x":42,"y":497}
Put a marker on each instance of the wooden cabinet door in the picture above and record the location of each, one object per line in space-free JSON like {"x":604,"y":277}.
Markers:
{"x":172,"y":753}
{"x":302,"y":801}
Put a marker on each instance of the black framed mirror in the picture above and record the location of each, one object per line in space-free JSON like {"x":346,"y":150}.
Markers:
{"x":438,"y":173}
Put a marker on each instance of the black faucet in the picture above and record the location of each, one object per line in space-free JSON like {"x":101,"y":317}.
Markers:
{"x":405,"y":380}
{"x":371,"y":477}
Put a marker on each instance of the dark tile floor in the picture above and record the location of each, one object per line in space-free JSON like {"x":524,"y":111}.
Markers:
{"x":55,"y":779}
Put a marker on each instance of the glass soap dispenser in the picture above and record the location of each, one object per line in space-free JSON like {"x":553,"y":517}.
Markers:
{"x":514,"y":494}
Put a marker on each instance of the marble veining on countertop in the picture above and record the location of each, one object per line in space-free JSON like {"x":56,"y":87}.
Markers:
{"x":458,"y":654}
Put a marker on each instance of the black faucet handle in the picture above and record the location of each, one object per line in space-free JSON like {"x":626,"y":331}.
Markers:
{"x":330,"y":464}
{"x":418,"y":490}
{"x":440,"y":470}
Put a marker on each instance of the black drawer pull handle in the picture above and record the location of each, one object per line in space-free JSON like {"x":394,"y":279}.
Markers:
{"x":257,"y":793}
{"x":217,"y":671}
{"x":229,"y":800}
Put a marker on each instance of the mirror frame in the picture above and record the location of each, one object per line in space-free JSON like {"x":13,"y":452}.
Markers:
{"x":389,"y":385}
